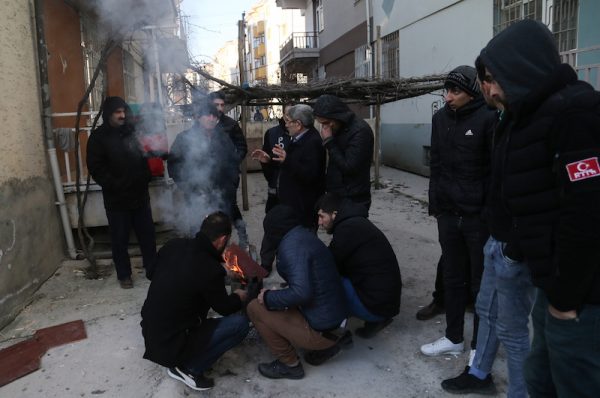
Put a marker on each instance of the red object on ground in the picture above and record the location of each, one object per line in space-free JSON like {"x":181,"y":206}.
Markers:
{"x":23,"y":358}
{"x":250,"y":268}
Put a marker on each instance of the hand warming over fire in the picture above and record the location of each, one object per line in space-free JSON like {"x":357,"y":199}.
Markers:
{"x":260,"y":155}
{"x":279,"y":153}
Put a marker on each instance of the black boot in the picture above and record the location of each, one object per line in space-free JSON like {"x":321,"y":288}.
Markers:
{"x":430,"y":311}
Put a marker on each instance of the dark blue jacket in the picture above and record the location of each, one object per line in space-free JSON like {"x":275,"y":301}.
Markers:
{"x":315,"y":288}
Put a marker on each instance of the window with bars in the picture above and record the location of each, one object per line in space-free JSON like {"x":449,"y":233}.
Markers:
{"x":361,"y":62}
{"x":507,"y":12}
{"x":564,"y":23}
{"x":390,"y":50}
{"x":92,"y":48}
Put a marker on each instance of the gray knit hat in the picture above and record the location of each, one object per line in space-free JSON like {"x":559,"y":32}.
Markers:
{"x":465,"y":78}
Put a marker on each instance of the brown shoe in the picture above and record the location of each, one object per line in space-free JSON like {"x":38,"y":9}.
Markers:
{"x":126,"y":283}
{"x":430,"y":311}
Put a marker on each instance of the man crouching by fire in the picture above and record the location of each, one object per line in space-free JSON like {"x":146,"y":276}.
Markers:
{"x":187,"y":282}
{"x":310,"y":311}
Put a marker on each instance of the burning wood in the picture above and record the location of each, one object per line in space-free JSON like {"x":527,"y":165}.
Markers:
{"x":239,"y":262}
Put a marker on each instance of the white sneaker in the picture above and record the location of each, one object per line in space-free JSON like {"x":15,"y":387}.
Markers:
{"x":442,"y":346}
{"x":471,"y":357}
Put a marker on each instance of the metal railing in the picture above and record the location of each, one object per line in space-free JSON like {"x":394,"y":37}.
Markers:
{"x":302,"y":40}
{"x":588,"y":72}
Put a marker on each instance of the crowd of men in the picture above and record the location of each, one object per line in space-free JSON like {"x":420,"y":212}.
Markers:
{"x":514,"y":160}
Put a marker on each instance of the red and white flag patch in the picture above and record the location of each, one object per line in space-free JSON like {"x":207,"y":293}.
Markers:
{"x":583,"y":169}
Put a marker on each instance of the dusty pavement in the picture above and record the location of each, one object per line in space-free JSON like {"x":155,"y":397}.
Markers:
{"x":109,"y":362}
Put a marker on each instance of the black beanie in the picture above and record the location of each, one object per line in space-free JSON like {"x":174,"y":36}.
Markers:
{"x":111,"y":104}
{"x":465,"y":78}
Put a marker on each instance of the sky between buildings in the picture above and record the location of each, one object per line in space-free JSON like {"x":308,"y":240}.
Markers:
{"x":211,"y":24}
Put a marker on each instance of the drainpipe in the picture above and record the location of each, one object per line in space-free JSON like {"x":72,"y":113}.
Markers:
{"x":42,"y":53}
{"x":369,"y":48}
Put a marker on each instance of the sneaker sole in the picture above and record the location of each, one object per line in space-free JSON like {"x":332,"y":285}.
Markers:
{"x":482,"y":391}
{"x":439,"y":354}
{"x":181,"y":379}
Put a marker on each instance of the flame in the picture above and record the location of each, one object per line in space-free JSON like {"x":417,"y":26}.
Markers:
{"x":231,"y":262}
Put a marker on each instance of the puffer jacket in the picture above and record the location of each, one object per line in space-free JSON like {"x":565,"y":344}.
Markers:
{"x":461,"y":143}
{"x":350,"y":151}
{"x":553,"y":129}
{"x":315,"y":287}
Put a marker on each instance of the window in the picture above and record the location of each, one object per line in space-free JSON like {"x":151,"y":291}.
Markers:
{"x":564,"y":24}
{"x":362,"y":62}
{"x":260,"y":61}
{"x":258,"y":41}
{"x":129,"y":77}
{"x":390,"y":48}
{"x":319,"y":15}
{"x":92,"y":48}
{"x":507,"y":12}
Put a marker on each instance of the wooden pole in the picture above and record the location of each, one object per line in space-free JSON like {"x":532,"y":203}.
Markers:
{"x":377,"y":155}
{"x":242,"y":65}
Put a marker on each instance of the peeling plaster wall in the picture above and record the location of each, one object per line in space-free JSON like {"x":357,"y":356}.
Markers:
{"x":31,"y":243}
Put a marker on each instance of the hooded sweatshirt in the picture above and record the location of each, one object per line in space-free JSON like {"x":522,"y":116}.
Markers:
{"x":350,"y":151}
{"x":551,"y":125}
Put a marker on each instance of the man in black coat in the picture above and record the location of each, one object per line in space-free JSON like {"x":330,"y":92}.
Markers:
{"x":204,"y":165}
{"x":188,"y":282}
{"x":365,"y":260}
{"x":116,"y":161}
{"x":277,"y":136}
{"x":461,"y":135}
{"x":349,"y":143}
{"x":235,"y":133}
{"x":552,"y":190}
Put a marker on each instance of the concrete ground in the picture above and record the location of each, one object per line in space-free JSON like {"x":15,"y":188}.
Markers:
{"x":109,"y":362}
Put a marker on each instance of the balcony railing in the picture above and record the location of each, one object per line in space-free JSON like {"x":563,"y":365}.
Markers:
{"x":303,"y":40}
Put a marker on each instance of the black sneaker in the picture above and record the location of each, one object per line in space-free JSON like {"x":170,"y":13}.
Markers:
{"x":370,"y":329}
{"x":430,"y":311}
{"x":466,"y":383}
{"x":279,"y":370}
{"x":126,"y":283}
{"x":318,"y":357}
{"x":198,"y":383}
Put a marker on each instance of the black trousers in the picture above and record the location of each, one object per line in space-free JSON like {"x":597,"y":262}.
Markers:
{"x":120,"y":223}
{"x":438,"y":293}
{"x":462,"y":239}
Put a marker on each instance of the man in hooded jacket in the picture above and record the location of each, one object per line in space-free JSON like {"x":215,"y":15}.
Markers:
{"x":552,"y":191}
{"x":349,"y":143}
{"x":366,"y":262}
{"x":116,"y":161}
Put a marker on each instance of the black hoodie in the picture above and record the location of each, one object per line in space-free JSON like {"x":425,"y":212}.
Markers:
{"x":551,"y":125}
{"x":350,"y":151}
{"x":364,"y":255}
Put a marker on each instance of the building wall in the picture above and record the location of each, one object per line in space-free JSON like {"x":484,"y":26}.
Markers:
{"x":340,"y":17}
{"x":31,"y":243}
{"x":431,"y":41}
{"x":588,"y":35}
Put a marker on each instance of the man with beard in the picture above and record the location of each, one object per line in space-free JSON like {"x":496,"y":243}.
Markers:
{"x":365,"y":260}
{"x":188,"y":282}
{"x":116,"y":161}
{"x":203,"y":163}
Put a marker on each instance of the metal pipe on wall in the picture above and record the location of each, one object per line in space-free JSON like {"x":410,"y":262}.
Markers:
{"x":42,"y":55}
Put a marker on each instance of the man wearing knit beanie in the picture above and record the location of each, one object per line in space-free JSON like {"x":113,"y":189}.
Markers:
{"x":460,"y":155}
{"x":116,"y":161}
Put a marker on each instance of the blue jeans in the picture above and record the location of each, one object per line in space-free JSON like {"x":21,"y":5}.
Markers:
{"x":503,"y":304}
{"x":565,"y":354}
{"x":230,"y":331}
{"x":355,"y":306}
